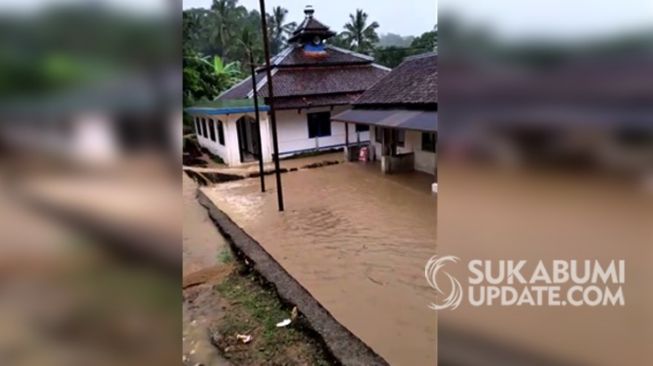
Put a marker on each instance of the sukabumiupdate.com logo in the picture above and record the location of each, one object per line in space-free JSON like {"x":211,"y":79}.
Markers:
{"x":557,"y":282}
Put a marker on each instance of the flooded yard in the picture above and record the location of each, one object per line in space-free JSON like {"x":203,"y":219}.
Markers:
{"x":358,"y":242}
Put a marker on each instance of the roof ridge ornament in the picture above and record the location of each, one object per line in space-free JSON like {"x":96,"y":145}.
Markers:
{"x":309,"y":11}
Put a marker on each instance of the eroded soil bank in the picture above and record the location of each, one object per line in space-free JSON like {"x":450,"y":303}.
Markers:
{"x":229,"y":314}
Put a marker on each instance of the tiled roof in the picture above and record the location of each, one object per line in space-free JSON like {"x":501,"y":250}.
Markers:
{"x":311,"y":27}
{"x":310,"y":23}
{"x":413,"y":82}
{"x":294,"y":82}
{"x":334,"y":56}
{"x":315,"y":100}
{"x":242,"y":89}
{"x":304,"y":81}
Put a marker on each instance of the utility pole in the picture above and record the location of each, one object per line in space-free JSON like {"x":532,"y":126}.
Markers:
{"x":273,"y":117}
{"x":258,"y":120}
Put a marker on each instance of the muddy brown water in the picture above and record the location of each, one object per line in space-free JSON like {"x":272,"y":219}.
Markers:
{"x":357,"y":241}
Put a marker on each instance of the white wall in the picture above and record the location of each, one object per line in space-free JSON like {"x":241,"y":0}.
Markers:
{"x":229,"y":152}
{"x":424,"y":160}
{"x":214,"y":146}
{"x":292,"y":129}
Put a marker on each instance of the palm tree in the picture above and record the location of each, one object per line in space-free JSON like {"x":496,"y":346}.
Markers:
{"x":227,"y":15}
{"x":360,"y":36}
{"x":279,"y":29}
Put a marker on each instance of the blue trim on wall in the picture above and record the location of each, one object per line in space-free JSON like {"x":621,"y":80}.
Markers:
{"x":226,"y":110}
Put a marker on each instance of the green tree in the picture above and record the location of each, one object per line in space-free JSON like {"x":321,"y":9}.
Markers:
{"x":200,"y":79}
{"x":279,"y":29}
{"x":226,"y":18}
{"x":391,"y":56}
{"x":360,"y":36}
{"x":427,"y":42}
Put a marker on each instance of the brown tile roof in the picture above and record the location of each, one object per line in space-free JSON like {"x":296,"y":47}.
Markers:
{"x":311,"y":26}
{"x":241,"y":89}
{"x":413,"y":82}
{"x":310,"y":81}
{"x":315,"y":100}
{"x":310,"y":23}
{"x":304,"y":81}
{"x":334,"y":56}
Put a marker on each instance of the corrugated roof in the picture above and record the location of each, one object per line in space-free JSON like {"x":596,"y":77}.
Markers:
{"x":413,"y":82}
{"x":426,"y":121}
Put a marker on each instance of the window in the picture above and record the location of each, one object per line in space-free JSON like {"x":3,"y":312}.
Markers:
{"x":429,"y":140}
{"x":204,"y":128}
{"x":399,"y":137}
{"x":378,"y":134}
{"x":220,"y":133}
{"x":212,"y":129}
{"x":362,"y":128}
{"x":197,"y":126}
{"x":319,"y":124}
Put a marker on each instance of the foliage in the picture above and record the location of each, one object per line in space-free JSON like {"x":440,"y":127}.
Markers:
{"x":279,"y":29}
{"x":392,"y":39}
{"x":392,"y":56}
{"x":427,"y":41}
{"x":218,"y":42}
{"x":358,"y":35}
{"x":200,"y":80}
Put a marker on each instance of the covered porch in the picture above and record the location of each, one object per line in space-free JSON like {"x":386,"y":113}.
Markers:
{"x":401,"y":140}
{"x":229,"y":130}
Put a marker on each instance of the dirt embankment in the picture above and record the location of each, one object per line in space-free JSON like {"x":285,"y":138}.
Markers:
{"x":230,"y":313}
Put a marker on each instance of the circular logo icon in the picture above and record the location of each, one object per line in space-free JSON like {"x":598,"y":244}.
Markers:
{"x":455,"y":296}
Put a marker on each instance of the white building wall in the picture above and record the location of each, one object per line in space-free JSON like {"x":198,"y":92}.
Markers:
{"x":213,"y":146}
{"x":292,"y":130}
{"x":230,"y":151}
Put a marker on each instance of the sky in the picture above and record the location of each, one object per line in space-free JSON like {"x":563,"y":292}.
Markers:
{"x":404,"y":17}
{"x":554,"y":19}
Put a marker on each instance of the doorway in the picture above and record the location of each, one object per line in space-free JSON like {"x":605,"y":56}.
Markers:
{"x":248,"y":141}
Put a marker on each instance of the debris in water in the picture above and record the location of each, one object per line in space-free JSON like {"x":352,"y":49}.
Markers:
{"x":245,"y":338}
{"x":284,"y":323}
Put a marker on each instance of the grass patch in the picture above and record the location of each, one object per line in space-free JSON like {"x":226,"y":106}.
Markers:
{"x":216,"y":159}
{"x":225,"y":256}
{"x":255,"y":310}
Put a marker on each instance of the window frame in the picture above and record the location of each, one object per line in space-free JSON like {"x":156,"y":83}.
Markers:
{"x":212,"y":129}
{"x":401,"y":142}
{"x":220,"y":132}
{"x":431,"y":141}
{"x":318,"y":131}
{"x":360,"y":127}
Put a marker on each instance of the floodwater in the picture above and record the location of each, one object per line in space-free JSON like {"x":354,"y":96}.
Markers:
{"x":357,"y":241}
{"x":544,"y":216}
